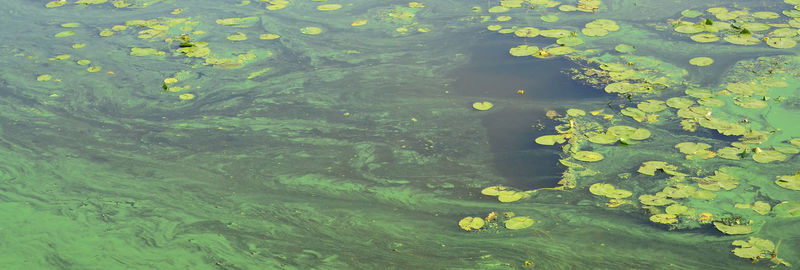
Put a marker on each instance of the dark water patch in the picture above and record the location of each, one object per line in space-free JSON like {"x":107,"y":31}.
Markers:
{"x":517,"y":158}
{"x":493,"y":72}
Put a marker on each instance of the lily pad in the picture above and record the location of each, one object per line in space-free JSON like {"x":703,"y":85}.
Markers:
{"x":625,"y":48}
{"x":676,"y":209}
{"x":733,"y":228}
{"x":789,"y":181}
{"x":471,"y":223}
{"x":691,"y":13}
{"x":329,"y":7}
{"x":654,"y":200}
{"x":664,"y":218}
{"x":767,"y":156}
{"x":704,"y":38}
{"x":652,"y":106}
{"x":549,"y":18}
{"x":507,"y":196}
{"x":482,"y":105}
{"x":64,"y":34}
{"x":750,"y":103}
{"x":523,"y":50}
{"x":742,"y":39}
{"x":550,"y":139}
{"x":527,"y":32}
{"x":701,"y":61}
{"x":587,"y":156}
{"x":781,"y":43}
{"x":311,"y":30}
{"x":493,"y":190}
{"x":517,"y":223}
{"x":679,"y":102}
{"x":569,"y":41}
{"x":787,"y":209}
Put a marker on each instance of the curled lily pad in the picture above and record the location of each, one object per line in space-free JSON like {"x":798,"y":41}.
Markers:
{"x":482,"y":105}
{"x":587,"y":156}
{"x":789,"y":181}
{"x":517,"y":223}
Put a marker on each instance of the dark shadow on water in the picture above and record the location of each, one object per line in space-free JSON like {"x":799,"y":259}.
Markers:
{"x":517,"y":157}
{"x":494,"y":74}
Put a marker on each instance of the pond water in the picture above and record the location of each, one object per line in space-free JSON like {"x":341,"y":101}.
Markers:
{"x":314,"y":134}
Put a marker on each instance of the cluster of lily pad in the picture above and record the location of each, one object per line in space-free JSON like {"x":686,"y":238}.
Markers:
{"x":757,"y":249}
{"x":741,"y":27}
{"x":509,"y":220}
{"x":505,"y":194}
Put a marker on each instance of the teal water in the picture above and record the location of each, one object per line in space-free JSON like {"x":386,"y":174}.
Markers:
{"x":359,"y":148}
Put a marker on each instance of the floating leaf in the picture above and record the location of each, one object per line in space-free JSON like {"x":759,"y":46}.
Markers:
{"x":767,"y":156}
{"x":482,"y":105}
{"x":311,"y":30}
{"x":734,"y":228}
{"x":527,"y":32}
{"x":664,"y":218}
{"x":550,"y":139}
{"x":55,"y":3}
{"x":789,"y":181}
{"x":493,"y":190}
{"x":360,"y":22}
{"x":704,"y":38}
{"x":676,"y":209}
{"x":625,"y":48}
{"x":651,"y":106}
{"x":742,"y":39}
{"x":329,"y":7}
{"x":679,"y":102}
{"x":787,"y":209}
{"x":269,"y":36}
{"x":750,"y":103}
{"x":471,"y":223}
{"x":587,"y":156}
{"x":64,"y":34}
{"x":569,"y":41}
{"x":44,"y":77}
{"x":781,"y":43}
{"x":701,"y":61}
{"x":510,"y":196}
{"x":762,"y":208}
{"x":654,"y":200}
{"x":186,"y":96}
{"x":523,"y":50}
{"x":517,"y":223}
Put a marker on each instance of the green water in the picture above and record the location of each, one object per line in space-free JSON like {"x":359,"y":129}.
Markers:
{"x":359,"y":148}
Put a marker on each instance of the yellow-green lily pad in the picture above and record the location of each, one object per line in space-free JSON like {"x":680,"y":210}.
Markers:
{"x":587,"y":156}
{"x":517,"y":223}
{"x":701,"y":61}
{"x":733,"y":228}
{"x":789,"y":181}
{"x":664,"y":218}
{"x":482,"y":105}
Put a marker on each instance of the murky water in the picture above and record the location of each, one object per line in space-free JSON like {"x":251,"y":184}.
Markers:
{"x":281,"y":135}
